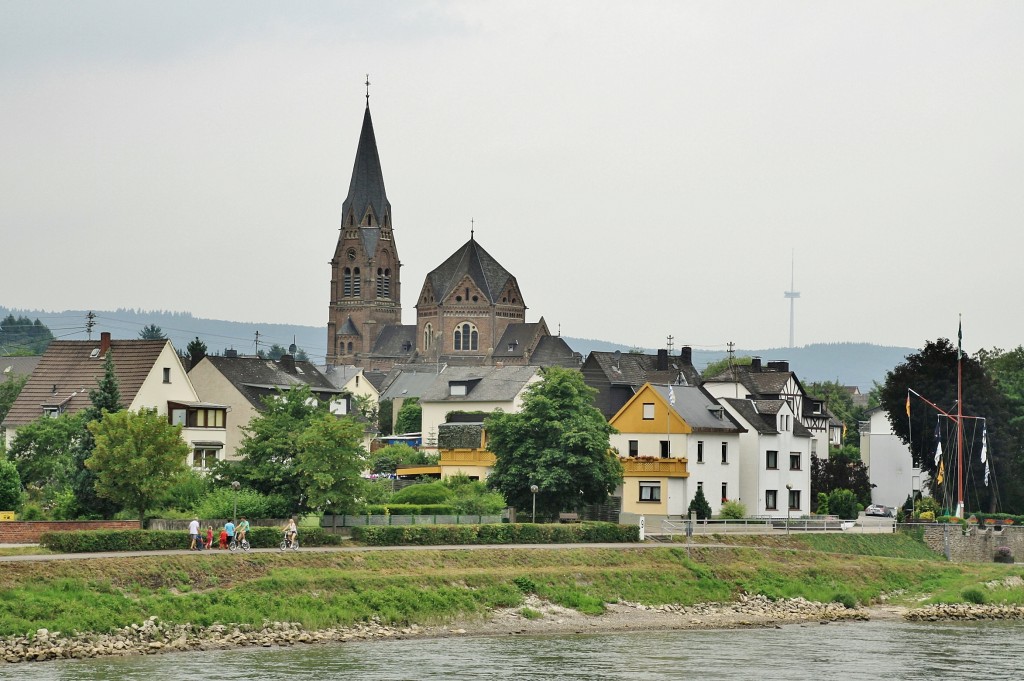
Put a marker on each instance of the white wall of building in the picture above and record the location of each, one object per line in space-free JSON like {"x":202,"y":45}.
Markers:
{"x":890,"y":466}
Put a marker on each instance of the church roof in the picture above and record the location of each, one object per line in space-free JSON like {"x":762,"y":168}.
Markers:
{"x":349,"y":328}
{"x":395,"y":340}
{"x":473,"y":261}
{"x":367,"y":186}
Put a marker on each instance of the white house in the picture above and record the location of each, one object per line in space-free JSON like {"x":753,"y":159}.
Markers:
{"x":891,"y":467}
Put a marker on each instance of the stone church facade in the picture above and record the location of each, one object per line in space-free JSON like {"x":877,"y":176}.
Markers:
{"x":470,"y":309}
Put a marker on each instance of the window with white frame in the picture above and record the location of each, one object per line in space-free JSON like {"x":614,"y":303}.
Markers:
{"x":725,"y":492}
{"x":700,"y":451}
{"x":725,"y":452}
{"x":795,"y":462}
{"x":648,"y":411}
{"x":771,"y":499}
{"x":664,"y":449}
{"x":771,"y":460}
{"x":634,"y":447}
{"x":466,"y":337}
{"x":203,"y":458}
{"x":650,"y":490}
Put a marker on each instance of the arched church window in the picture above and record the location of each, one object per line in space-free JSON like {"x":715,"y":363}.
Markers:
{"x":350,"y":347}
{"x":347,"y":283}
{"x":428,"y":336}
{"x":466,"y":337}
{"x":356,"y":284}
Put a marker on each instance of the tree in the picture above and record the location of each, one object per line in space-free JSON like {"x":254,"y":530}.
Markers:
{"x":558,"y":442}
{"x":1007,"y":369}
{"x":932,"y":373}
{"x":410,"y":417}
{"x":842,"y":470}
{"x":138,"y":456}
{"x":104,"y":398}
{"x":10,"y":487}
{"x":699,"y":505}
{"x":152,"y":332}
{"x":384,"y":415}
{"x":22,"y":336}
{"x":9,"y":391}
{"x":366,"y":407}
{"x":839,"y":401}
{"x":44,"y":453}
{"x":281,"y":458}
{"x":843,"y":503}
{"x":196,"y":350}
{"x":329,"y":463}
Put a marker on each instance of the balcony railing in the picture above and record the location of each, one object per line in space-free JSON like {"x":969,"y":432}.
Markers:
{"x":671,"y":467}
{"x":470,"y":457}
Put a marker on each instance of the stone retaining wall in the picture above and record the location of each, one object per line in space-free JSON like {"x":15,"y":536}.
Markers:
{"x":978,"y":546}
{"x":27,"y":532}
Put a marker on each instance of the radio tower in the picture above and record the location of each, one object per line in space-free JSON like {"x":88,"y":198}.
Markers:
{"x":792,"y":295}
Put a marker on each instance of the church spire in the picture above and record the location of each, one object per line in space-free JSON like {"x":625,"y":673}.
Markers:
{"x":366,"y":190}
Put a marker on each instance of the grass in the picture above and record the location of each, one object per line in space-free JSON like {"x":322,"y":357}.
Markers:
{"x":322,"y":590}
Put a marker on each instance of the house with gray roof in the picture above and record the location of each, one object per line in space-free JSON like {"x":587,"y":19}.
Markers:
{"x":473,"y":389}
{"x":244,"y":383}
{"x":774,"y":458}
{"x":617,"y":376}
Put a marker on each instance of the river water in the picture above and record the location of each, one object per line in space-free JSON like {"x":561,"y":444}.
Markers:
{"x":858,"y":650}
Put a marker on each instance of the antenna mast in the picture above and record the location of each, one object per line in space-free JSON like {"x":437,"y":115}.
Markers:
{"x":792,"y":295}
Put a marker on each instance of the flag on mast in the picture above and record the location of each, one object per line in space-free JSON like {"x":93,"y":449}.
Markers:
{"x":960,"y":340}
{"x":671,"y":396}
{"x":938,"y":442}
{"x":984,"y":452}
{"x":942,"y":473}
{"x":908,"y":405}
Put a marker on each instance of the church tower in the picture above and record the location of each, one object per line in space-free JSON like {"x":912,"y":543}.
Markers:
{"x":365,"y":281}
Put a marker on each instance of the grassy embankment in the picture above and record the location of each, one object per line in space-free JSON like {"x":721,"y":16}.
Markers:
{"x":327,"y":589}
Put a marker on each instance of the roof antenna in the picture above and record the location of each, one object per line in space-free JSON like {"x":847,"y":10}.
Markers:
{"x":367,"y":90}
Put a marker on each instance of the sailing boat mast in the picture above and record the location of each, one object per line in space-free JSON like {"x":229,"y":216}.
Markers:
{"x":959,"y":421}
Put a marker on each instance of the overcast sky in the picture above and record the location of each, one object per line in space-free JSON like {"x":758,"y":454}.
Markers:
{"x":642,"y":168}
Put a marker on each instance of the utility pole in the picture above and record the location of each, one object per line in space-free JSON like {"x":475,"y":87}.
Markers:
{"x":257,"y":342}
{"x":90,"y":321}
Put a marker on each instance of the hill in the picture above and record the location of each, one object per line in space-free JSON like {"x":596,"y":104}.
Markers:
{"x":859,"y":364}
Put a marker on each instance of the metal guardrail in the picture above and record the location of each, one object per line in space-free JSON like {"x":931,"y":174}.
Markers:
{"x":770,"y":526}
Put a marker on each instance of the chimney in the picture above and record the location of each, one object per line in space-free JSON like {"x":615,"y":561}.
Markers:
{"x":104,"y":342}
{"x":686,"y":355}
{"x":778,"y":365}
{"x":287,"y":362}
{"x":755,"y":364}
{"x":662,"y":360}
{"x":232,"y":353}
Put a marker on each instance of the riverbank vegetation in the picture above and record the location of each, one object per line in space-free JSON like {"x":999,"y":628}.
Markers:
{"x":327,"y":589}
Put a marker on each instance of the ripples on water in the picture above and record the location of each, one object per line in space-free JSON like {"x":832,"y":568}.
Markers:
{"x":866,"y":650}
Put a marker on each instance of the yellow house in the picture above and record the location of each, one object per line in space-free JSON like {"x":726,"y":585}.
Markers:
{"x":463,"y":451}
{"x":662,"y":428}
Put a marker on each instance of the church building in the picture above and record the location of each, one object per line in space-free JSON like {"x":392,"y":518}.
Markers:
{"x":470,"y":310}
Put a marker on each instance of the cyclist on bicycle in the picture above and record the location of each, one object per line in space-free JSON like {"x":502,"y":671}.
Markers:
{"x":291,"y":531}
{"x":241,"y":530}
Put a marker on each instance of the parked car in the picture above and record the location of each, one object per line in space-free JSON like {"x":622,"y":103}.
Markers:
{"x":879,"y":510}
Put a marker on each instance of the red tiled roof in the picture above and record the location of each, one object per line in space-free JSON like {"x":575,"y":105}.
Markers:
{"x":67,"y":372}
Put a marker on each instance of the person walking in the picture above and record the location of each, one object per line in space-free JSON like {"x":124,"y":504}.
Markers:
{"x":229,"y":527}
{"x":193,"y":535}
{"x":209,"y":537}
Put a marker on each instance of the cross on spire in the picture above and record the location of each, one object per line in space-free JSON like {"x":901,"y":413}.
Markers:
{"x":367,"y":89}
{"x":472,"y":228}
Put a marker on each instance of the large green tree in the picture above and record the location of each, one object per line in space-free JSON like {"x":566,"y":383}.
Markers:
{"x":329,"y":463}
{"x":196,"y":350}
{"x":152,"y":332}
{"x":842,"y":470}
{"x":104,"y":398}
{"x":558,"y":442}
{"x":137,"y":457}
{"x":1007,"y":369}
{"x":410,"y":417}
{"x":285,"y":452}
{"x":44,"y":452}
{"x":932,"y":373}
{"x":10,"y":388}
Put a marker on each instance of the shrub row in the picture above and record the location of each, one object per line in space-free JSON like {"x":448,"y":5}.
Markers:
{"x":410,"y":509}
{"x":505,"y":533}
{"x":91,"y":541}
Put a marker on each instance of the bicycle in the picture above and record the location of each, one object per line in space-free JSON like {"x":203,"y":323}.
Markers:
{"x":234,"y":545}
{"x":290,"y":543}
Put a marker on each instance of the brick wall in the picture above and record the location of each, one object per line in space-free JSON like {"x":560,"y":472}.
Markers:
{"x":28,"y":532}
{"x":977,"y":547}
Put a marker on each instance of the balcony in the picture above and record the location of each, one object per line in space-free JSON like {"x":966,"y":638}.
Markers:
{"x":466,"y":457}
{"x":644,"y":466}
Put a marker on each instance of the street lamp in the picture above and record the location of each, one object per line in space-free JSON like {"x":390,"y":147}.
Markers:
{"x":789,"y":505}
{"x":534,"y":489}
{"x":234,"y":509}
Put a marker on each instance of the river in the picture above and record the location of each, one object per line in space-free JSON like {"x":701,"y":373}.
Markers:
{"x":858,"y":650}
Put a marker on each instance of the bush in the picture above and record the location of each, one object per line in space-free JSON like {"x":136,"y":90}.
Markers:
{"x":843,"y":503}
{"x":220,"y":503}
{"x":10,"y":486}
{"x":848,"y":601}
{"x":503,"y":533}
{"x":1003,"y":555}
{"x":699,"y":505}
{"x":31,"y":512}
{"x":733,"y":510}
{"x":423,"y":493}
{"x":973,"y":596}
{"x":927,"y":516}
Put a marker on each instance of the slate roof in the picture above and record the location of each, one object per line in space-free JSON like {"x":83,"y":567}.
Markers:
{"x":367,"y":185}
{"x":492,"y":384}
{"x":18,"y":366}
{"x":395,"y":340}
{"x":516,"y":340}
{"x":635,"y":369}
{"x":408,"y":381}
{"x":698,"y":408}
{"x":554,"y":351}
{"x":758,"y":383}
{"x":376,"y":378}
{"x":473,"y":261}
{"x":67,"y":372}
{"x":349,"y":328}
{"x":762,"y":415}
{"x":338,"y":374}
{"x":256,"y":378}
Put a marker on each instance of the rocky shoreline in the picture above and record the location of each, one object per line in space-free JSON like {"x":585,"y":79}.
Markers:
{"x":533,"y":617}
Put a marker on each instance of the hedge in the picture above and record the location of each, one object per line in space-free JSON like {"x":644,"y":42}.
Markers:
{"x":410,"y":509}
{"x":91,"y":541}
{"x":506,"y":533}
